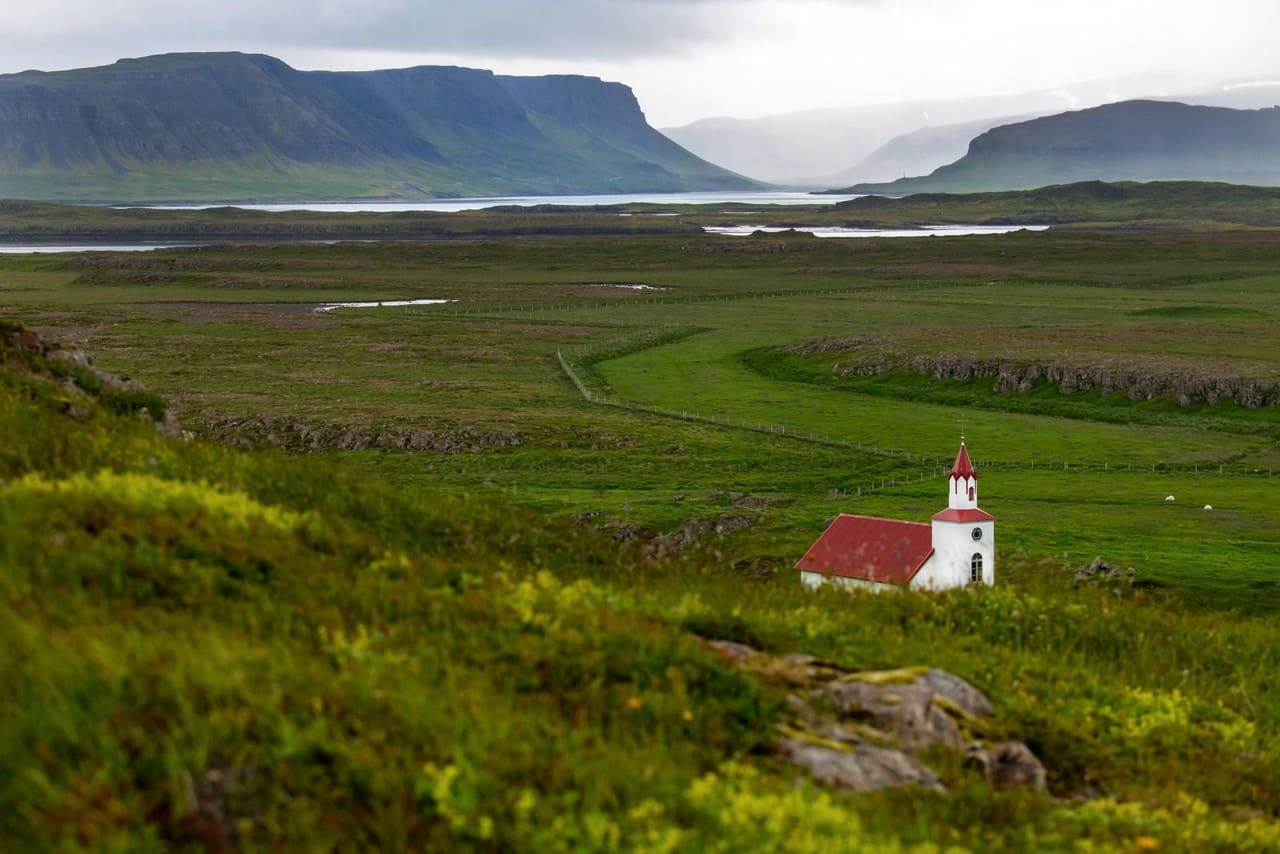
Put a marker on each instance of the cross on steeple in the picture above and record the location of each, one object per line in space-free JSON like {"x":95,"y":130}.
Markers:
{"x":962,"y":426}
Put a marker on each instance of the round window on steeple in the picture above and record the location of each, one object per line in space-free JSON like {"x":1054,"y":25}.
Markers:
{"x":977,"y":534}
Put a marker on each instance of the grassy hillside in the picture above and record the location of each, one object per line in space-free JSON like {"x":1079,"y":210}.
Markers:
{"x":484,"y":643}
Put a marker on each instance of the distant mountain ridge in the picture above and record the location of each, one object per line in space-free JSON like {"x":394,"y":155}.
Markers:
{"x":923,"y":150}
{"x":812,"y":147}
{"x":1127,"y":141}
{"x":836,"y":147}
{"x":231,"y":126}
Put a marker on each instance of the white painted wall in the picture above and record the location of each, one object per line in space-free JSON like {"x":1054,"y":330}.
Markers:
{"x":963,"y":494}
{"x":927,"y":577}
{"x":814,"y":580}
{"x":953,"y":551}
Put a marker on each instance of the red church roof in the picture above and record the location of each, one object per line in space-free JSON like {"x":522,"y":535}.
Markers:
{"x":863,"y":547}
{"x":965,"y":515}
{"x":963,"y":468}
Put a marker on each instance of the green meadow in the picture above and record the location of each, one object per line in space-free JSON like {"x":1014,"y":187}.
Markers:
{"x":230,"y":337}
{"x":523,"y":668}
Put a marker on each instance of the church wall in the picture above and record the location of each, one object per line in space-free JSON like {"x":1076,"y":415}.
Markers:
{"x":814,"y":580}
{"x":927,"y":577}
{"x":954,"y":548}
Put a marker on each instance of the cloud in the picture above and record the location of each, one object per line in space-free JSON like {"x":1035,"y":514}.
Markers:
{"x":606,"y":29}
{"x":585,"y":29}
{"x":687,"y":59}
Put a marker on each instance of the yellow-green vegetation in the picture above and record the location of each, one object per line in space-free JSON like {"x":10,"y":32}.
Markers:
{"x":387,"y":647}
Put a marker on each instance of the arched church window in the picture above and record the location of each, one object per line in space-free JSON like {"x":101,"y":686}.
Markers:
{"x":971,"y":491}
{"x":975,"y":568}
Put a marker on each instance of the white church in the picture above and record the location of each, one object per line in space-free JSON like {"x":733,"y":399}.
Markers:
{"x":957,"y":548}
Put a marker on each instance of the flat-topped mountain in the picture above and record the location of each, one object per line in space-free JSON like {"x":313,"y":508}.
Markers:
{"x":235,"y":126}
{"x":1127,"y":141}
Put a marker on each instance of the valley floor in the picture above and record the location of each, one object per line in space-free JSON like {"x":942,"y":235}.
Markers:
{"x":755,"y":389}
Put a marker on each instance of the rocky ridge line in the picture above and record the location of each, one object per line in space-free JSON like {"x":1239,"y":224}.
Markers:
{"x":301,"y":434}
{"x":1183,"y":387}
{"x":82,"y":383}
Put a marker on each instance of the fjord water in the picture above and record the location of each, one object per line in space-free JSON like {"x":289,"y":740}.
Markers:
{"x":775,"y":197}
{"x":747,"y":199}
{"x":46,"y":247}
{"x":837,"y":231}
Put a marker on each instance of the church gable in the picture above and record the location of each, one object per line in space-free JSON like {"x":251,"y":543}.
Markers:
{"x":885,"y":551}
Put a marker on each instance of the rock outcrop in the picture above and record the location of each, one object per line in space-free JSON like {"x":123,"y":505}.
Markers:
{"x":1100,"y":573}
{"x":83,"y":384}
{"x":866,"y":731}
{"x":1184,"y":387}
{"x":302,"y":434}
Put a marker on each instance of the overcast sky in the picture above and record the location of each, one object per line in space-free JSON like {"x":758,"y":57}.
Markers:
{"x":688,"y":59}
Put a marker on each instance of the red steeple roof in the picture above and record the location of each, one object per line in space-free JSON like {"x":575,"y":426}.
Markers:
{"x":966,"y":514}
{"x":963,"y":468}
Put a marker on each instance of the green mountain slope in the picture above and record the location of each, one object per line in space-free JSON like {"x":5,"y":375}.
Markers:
{"x":233,"y":126}
{"x":1127,"y":141}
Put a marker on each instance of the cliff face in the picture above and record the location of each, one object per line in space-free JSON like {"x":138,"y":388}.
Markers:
{"x":200,"y":124}
{"x":1127,"y":141}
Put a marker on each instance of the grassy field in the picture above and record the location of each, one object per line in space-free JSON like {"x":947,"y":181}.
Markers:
{"x":230,"y":336}
{"x":713,"y":399}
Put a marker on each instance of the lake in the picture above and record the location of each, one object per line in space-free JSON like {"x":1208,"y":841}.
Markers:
{"x":747,"y":199}
{"x":728,"y":231}
{"x":43,"y":247}
{"x":386,"y":303}
{"x":778,"y":197}
{"x":835,"y":231}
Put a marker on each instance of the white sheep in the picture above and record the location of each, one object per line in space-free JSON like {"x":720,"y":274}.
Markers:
{"x":1208,"y":507}
{"x":1168,"y":498}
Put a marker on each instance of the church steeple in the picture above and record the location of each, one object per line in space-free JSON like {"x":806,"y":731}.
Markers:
{"x":963,"y":482}
{"x":963,"y":467}
{"x":964,"y":537}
